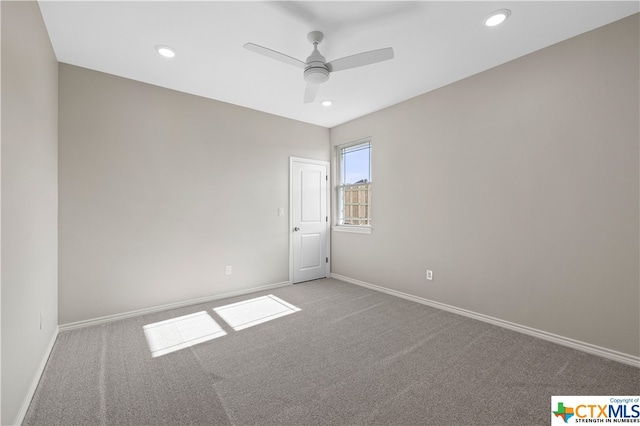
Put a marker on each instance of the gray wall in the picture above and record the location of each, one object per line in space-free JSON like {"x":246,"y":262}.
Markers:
{"x":159,"y":190}
{"x":519,"y":188}
{"x":29,"y":200}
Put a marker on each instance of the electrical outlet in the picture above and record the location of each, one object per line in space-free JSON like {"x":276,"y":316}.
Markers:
{"x":429,"y":274}
{"x":228,"y":270}
{"x":280,"y":211}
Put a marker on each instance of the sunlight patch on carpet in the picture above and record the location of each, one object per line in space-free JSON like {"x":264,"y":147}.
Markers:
{"x":256,"y":311}
{"x":178,"y":333}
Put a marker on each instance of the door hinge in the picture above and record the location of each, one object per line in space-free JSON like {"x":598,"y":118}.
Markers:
{"x":326,"y":218}
{"x":326,"y":177}
{"x":327,"y":260}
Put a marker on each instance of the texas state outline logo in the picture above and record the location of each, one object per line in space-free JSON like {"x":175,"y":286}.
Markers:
{"x":565,"y":413}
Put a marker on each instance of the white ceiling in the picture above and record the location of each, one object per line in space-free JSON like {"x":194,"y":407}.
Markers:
{"x":435,"y":43}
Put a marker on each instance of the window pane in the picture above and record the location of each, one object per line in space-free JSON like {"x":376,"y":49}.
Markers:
{"x":356,"y":162}
{"x":354,"y":189}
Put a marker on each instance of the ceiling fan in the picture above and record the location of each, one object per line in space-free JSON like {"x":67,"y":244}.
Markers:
{"x":316,"y":68}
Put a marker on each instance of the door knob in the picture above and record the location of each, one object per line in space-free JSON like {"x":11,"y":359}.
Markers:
{"x":296,"y":229}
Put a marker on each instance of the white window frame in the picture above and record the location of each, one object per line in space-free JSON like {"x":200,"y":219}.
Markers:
{"x":339,"y":226}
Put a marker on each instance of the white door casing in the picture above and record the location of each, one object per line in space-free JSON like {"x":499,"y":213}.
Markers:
{"x":309,"y":219}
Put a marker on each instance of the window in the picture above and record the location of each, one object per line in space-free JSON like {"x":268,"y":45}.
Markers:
{"x":354,"y":185}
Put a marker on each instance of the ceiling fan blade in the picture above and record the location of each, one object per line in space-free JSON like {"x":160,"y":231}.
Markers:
{"x":310,"y":93}
{"x":360,"y":59}
{"x":275,"y":55}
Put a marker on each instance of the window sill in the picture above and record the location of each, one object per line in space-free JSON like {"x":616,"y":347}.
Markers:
{"x":353,"y":229}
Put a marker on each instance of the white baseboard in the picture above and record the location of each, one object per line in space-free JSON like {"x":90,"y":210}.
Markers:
{"x":561,"y":340}
{"x":130,"y":314}
{"x":36,"y":379}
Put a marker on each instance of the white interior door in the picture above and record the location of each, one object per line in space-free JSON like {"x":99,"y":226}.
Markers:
{"x":309,"y":219}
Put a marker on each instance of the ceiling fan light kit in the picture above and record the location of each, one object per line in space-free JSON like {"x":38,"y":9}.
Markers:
{"x":316,"y":69}
{"x":316,"y":75}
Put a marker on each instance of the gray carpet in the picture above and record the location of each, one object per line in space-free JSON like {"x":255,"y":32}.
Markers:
{"x":350,"y":356}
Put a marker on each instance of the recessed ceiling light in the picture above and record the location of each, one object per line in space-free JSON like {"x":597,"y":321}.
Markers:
{"x":497,"y":17}
{"x":166,"y":51}
{"x":327,"y":103}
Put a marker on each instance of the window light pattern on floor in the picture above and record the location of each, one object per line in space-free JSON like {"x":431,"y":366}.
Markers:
{"x":178,"y":333}
{"x":256,"y":311}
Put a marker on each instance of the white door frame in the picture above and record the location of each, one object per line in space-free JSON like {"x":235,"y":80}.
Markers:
{"x":327,"y":164}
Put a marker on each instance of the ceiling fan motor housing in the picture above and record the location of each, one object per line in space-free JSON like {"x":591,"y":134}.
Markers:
{"x":316,"y":73}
